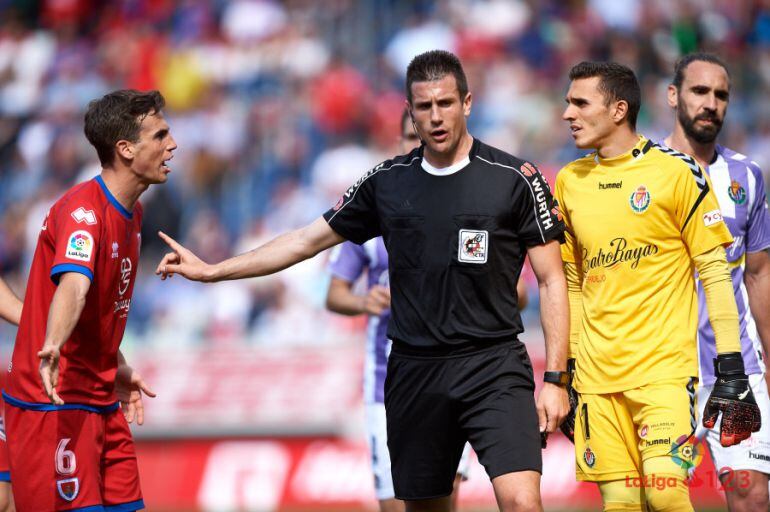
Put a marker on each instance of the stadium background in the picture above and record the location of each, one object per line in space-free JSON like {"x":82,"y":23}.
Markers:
{"x":277,"y":107}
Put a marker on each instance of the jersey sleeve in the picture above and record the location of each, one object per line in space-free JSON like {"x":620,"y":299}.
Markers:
{"x":354,"y":217}
{"x":76,"y":240}
{"x":758,"y":231}
{"x":698,"y":215}
{"x":569,"y":253}
{"x":348,"y":261}
{"x":538,"y":214}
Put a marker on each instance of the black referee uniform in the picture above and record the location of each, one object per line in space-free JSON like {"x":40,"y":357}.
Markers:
{"x":456,"y":241}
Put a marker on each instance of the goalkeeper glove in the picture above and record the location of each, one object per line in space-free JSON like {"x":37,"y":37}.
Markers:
{"x":733,"y":397}
{"x":568,"y":425}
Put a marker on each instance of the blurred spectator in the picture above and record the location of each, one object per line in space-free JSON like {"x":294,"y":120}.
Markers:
{"x":279,"y":106}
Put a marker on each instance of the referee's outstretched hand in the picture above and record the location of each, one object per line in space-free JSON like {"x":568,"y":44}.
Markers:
{"x":181,"y":261}
{"x":552,"y":407}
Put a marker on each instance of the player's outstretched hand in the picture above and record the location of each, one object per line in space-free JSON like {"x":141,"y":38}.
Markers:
{"x":377,"y":300}
{"x":552,"y":407}
{"x":181,"y":261}
{"x":732,"y":397}
{"x":49,"y":372}
{"x":129,"y":387}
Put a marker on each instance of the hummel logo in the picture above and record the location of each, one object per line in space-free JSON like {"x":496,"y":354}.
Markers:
{"x":83,"y":215}
{"x":406,"y":205}
{"x":744,"y":394}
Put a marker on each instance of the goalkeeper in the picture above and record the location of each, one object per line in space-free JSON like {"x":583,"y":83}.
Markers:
{"x":639,"y":217}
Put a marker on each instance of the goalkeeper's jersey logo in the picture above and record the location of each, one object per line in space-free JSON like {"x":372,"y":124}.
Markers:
{"x":640,"y":199}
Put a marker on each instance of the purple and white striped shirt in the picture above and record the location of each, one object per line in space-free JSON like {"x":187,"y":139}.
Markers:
{"x":740,"y":190}
{"x":348,"y":262}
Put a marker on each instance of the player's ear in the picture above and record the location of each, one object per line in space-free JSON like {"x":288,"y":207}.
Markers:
{"x":409,"y":109}
{"x":672,"y":95}
{"x":125,"y":149}
{"x":620,"y":111}
{"x":467,"y":102}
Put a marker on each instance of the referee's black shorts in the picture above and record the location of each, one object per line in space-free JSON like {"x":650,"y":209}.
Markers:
{"x":434,"y":403}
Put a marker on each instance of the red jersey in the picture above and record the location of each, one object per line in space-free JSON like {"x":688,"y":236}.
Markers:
{"x":87,"y":231}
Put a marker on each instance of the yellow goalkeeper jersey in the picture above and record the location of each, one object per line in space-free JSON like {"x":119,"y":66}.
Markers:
{"x":633,"y":224}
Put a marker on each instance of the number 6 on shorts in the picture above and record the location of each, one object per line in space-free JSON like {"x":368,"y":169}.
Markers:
{"x":65,"y":459}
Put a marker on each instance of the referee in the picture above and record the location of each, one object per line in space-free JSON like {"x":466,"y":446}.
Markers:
{"x":458,"y":218}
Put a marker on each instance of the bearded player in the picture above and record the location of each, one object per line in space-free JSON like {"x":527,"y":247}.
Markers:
{"x":70,"y":445}
{"x":640,"y":218}
{"x":699,"y":94}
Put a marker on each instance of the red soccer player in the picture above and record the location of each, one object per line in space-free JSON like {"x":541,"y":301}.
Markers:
{"x":70,"y":447}
{"x":10,"y":310}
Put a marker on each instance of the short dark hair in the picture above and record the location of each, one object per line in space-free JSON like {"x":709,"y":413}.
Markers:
{"x":435,"y":65}
{"x":117,"y":116}
{"x":617,"y":82}
{"x":681,"y":65}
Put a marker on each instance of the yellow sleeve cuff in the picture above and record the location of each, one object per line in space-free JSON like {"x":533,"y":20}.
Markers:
{"x":717,"y":284}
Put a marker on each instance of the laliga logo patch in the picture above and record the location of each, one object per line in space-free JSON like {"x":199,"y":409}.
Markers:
{"x":68,"y":488}
{"x":473,"y":246}
{"x":643,"y":431}
{"x":712,"y":217}
{"x":80,"y":246}
{"x":589,"y":457}
{"x":640,"y":199}
{"x":736,"y":192}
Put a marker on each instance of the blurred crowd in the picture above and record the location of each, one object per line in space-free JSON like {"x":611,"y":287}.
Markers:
{"x":278,"y":107}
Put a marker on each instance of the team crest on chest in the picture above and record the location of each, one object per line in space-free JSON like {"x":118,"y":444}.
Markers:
{"x":473,"y":247}
{"x":640,"y":199}
{"x":736,"y":192}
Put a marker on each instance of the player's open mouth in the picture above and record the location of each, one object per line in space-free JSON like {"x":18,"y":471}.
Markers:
{"x":164,"y":166}
{"x":439,"y":135}
{"x":574,"y":129}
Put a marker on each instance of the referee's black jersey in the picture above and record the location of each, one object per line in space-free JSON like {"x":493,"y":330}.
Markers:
{"x":456,"y":241}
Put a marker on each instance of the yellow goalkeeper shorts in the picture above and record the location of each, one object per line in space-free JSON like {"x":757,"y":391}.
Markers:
{"x":616,"y":432}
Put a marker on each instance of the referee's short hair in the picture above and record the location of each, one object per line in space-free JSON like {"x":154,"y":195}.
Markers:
{"x":681,"y":65}
{"x":435,"y":65}
{"x":616,"y":82}
{"x":118,"y":116}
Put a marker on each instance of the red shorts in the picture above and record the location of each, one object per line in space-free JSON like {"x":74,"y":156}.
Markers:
{"x":72,"y":460}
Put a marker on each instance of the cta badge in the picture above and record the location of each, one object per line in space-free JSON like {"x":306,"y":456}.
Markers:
{"x":473,"y":246}
{"x":80,"y":246}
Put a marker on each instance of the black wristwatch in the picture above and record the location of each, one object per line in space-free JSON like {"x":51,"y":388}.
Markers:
{"x":559,"y":378}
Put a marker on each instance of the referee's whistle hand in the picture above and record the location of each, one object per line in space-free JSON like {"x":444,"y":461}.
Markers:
{"x":552,"y":407}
